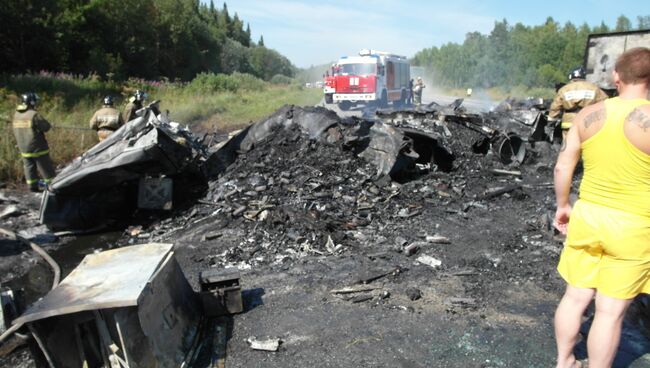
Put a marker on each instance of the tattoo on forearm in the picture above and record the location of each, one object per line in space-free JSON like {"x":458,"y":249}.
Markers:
{"x":639,"y":118}
{"x":593,"y":117}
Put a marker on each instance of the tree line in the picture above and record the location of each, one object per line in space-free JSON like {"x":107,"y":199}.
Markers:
{"x":151,"y":39}
{"x":532,"y":56}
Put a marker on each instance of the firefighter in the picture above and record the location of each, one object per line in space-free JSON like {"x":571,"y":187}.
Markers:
{"x":106,"y":120}
{"x":417,"y":91}
{"x":571,"y":98}
{"x":135,"y":104}
{"x":409,"y":99}
{"x":29,"y":129}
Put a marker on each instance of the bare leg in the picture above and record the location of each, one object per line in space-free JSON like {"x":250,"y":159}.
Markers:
{"x":605,"y":332}
{"x":568,"y":317}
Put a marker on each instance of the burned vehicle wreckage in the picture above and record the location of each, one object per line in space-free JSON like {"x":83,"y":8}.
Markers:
{"x":151,"y":162}
{"x":301,"y":182}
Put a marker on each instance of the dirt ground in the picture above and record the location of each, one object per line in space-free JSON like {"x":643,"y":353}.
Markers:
{"x":301,"y":219}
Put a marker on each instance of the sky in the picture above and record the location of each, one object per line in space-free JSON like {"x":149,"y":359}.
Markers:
{"x":318,"y":32}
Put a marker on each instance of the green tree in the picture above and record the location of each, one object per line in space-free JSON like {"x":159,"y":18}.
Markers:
{"x":28,"y":35}
{"x":602,"y":28}
{"x":498,"y":53}
{"x":125,"y":38}
{"x":509,"y":55}
{"x":623,"y":24}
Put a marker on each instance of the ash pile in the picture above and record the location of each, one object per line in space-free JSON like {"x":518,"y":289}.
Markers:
{"x":305,"y":182}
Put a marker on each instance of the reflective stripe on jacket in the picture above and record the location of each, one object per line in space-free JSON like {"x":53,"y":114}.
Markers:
{"x":571,"y":98}
{"x":106,"y":118}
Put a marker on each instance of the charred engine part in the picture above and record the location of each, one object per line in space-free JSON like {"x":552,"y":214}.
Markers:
{"x":509,"y":148}
{"x":429,"y":150}
{"x":500,"y":132}
{"x":221,"y":292}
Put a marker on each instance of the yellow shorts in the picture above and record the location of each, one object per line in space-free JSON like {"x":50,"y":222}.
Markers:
{"x":608,"y":250}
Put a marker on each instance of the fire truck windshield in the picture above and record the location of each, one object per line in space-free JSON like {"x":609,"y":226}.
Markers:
{"x":357,"y":69}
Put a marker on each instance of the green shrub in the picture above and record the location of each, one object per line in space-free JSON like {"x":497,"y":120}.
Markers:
{"x":210,"y":82}
{"x":281,"y":79}
{"x":248,"y":82}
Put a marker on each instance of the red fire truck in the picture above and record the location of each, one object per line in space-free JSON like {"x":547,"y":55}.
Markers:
{"x":373,"y":77}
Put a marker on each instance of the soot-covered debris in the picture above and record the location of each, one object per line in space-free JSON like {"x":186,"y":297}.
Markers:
{"x":292,"y":195}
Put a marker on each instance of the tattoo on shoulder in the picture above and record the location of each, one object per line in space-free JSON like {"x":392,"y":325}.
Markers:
{"x":641,"y":119}
{"x":594,"y":116}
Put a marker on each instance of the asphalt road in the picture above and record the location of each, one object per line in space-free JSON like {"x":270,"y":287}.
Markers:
{"x":477,"y":103}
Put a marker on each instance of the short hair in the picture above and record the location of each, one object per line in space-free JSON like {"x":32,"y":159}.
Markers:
{"x":633,"y":66}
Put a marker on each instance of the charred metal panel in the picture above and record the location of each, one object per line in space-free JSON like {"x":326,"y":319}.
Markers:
{"x":101,"y":185}
{"x":603,"y":50}
{"x":169,"y":314}
{"x":131,"y":304}
{"x":110,"y":279}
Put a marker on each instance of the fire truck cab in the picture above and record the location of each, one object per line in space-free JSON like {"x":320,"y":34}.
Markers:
{"x":373,"y":77}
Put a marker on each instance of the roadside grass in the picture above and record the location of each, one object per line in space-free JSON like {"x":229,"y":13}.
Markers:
{"x":68,"y":103}
{"x":233,"y":110}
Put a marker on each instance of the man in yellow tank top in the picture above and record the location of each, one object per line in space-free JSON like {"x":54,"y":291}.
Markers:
{"x":607,"y":251}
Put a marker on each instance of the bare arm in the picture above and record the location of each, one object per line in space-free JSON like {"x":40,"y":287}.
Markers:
{"x":563,"y":176}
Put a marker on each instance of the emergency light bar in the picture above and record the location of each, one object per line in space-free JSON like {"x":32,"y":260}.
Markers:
{"x":369,"y":52}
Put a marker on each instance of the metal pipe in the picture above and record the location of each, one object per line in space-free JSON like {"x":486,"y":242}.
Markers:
{"x":55,"y":267}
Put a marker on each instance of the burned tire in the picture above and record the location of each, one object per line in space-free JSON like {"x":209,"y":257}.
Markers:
{"x":510,"y":149}
{"x":345,"y":105}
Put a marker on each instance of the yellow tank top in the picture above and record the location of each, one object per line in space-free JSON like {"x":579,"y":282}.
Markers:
{"x":616,"y":173}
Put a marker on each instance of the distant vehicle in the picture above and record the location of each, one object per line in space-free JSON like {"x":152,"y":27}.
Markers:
{"x":373,"y":77}
{"x":308,"y":85}
{"x":602,"y":51}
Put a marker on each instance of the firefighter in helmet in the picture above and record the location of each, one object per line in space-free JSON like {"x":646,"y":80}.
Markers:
{"x":417,"y":91}
{"x":29,"y":129}
{"x":135,"y":104}
{"x":106,"y":120}
{"x":571,"y":98}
